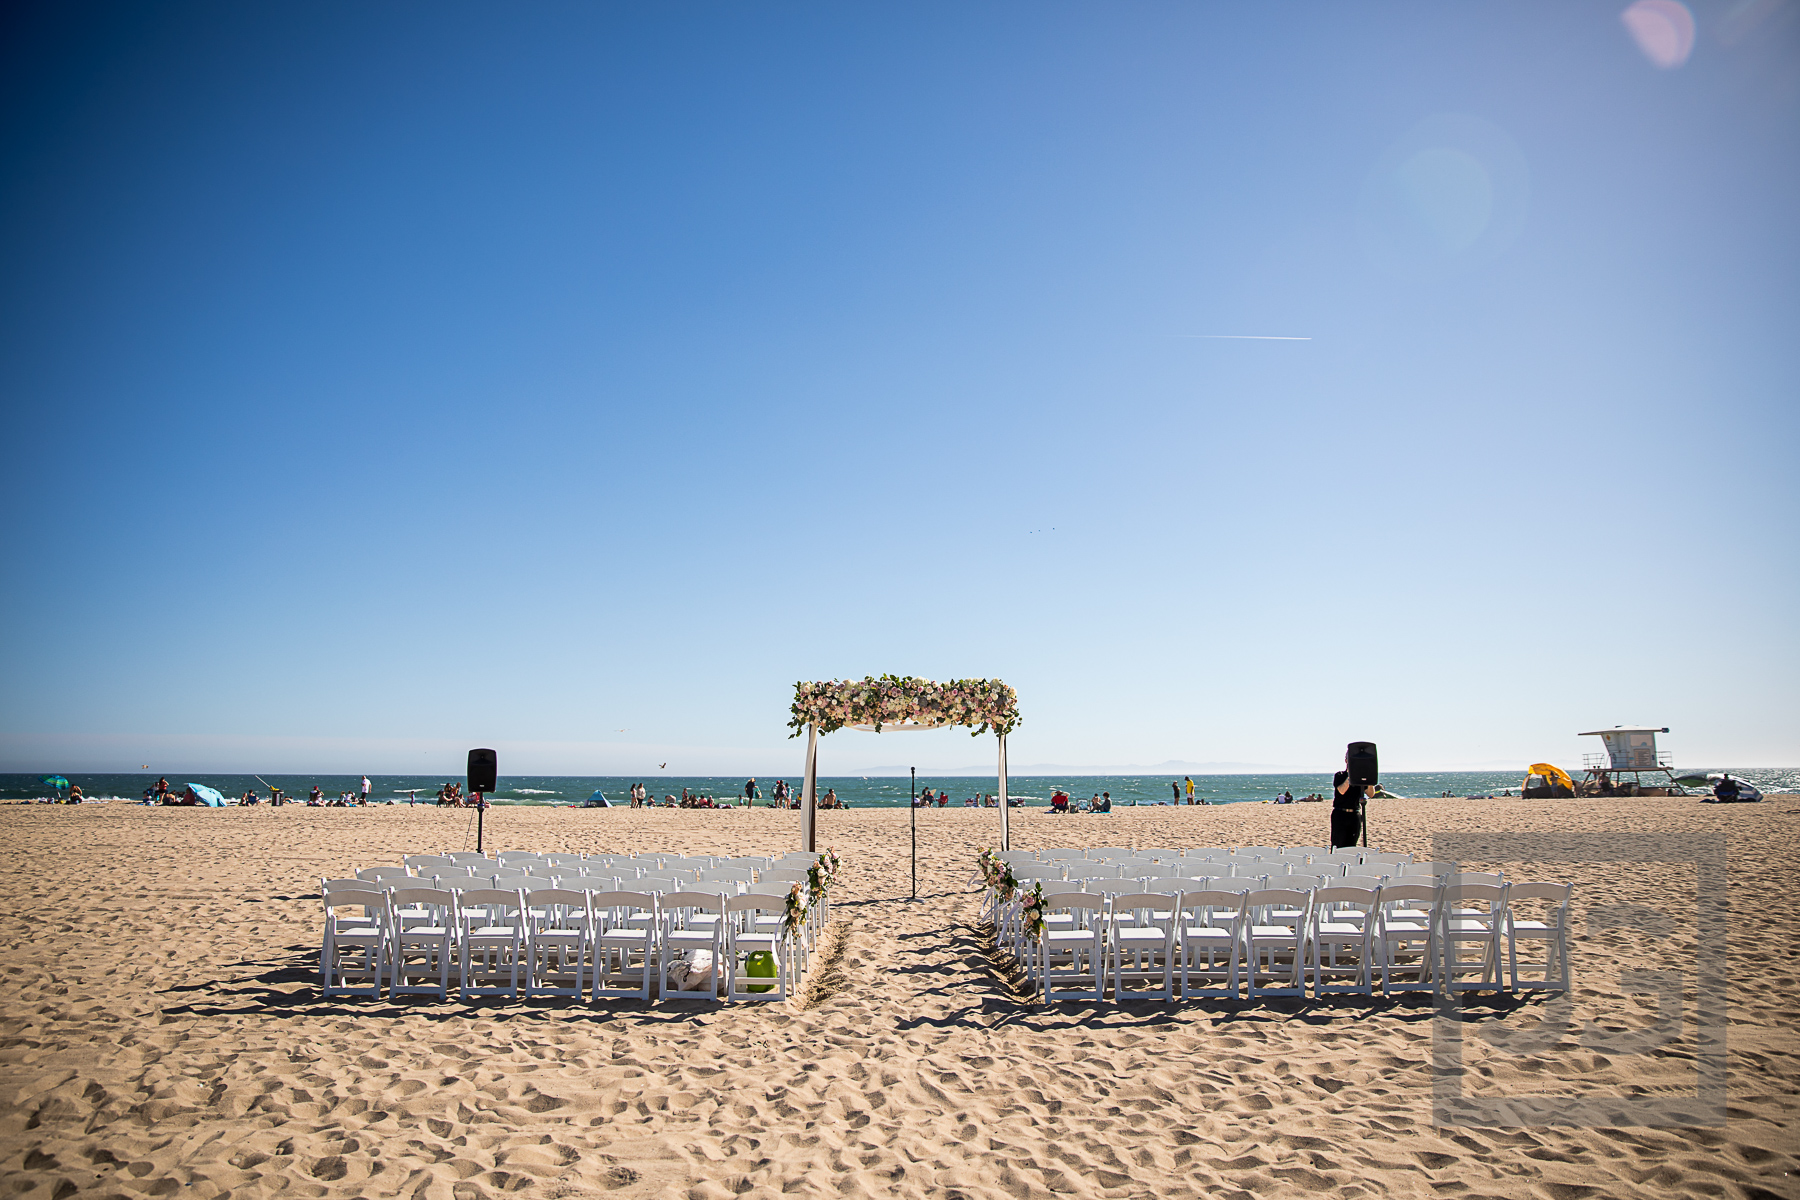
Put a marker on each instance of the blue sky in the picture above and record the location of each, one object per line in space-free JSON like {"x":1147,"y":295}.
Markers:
{"x":382,"y":380}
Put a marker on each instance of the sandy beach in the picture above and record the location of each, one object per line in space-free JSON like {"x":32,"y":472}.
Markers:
{"x":163,"y":1032}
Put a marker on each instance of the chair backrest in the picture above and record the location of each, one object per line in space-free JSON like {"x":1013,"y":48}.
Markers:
{"x":783,"y":875}
{"x":756,"y":902}
{"x":1493,"y":878}
{"x":428,"y":860}
{"x":1409,"y":892}
{"x":490,"y":899}
{"x":1425,"y":868}
{"x":423,"y":896}
{"x":327,"y":886}
{"x":677,"y":904}
{"x":751,"y":862}
{"x":557,"y":897}
{"x":1048,"y":855}
{"x":508,"y":881}
{"x":1136,"y":902}
{"x":1159,"y":853}
{"x":1277,"y":897}
{"x":1168,"y":883}
{"x":1095,"y":871}
{"x":1205,"y":902}
{"x":371,"y":900}
{"x":1361,"y":880}
{"x":611,"y":900}
{"x":564,"y":860}
{"x":1299,"y":883}
{"x":376,"y":873}
{"x":1073,"y":900}
{"x":469,"y":856}
{"x":1492,"y":895}
{"x":1334,"y":897}
{"x":726,"y":875}
{"x":1384,"y":856}
{"x":1259,"y":851}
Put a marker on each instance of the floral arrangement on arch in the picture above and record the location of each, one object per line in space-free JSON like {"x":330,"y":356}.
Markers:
{"x":994,"y":873}
{"x":983,"y":704}
{"x":1031,"y":915}
{"x":793,"y":918}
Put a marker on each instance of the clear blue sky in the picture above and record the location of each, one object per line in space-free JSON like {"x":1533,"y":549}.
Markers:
{"x":381,"y":380}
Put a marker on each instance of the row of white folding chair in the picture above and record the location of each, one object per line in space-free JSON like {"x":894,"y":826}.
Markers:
{"x":1416,"y":924}
{"x":506,"y":932}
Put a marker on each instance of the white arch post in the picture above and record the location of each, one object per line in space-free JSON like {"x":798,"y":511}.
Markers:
{"x":809,"y":790}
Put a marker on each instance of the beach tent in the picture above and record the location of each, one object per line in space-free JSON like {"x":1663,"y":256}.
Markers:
{"x":597,"y":800}
{"x":1546,"y":779}
{"x":206,"y":796}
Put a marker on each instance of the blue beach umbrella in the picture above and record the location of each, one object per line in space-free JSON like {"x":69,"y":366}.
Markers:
{"x":55,"y":781}
{"x":206,"y":795}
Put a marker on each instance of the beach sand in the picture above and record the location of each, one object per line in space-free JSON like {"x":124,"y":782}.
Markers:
{"x":163,"y":1033}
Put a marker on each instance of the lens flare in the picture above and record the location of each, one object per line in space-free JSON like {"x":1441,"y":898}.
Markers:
{"x":1662,"y":29}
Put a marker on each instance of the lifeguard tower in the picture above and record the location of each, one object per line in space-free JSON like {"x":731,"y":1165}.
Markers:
{"x":1630,"y":750}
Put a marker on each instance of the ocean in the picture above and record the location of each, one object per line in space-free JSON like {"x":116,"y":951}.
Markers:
{"x":856,"y":791}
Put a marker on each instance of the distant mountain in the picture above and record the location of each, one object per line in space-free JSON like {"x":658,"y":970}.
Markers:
{"x":1171,"y":767}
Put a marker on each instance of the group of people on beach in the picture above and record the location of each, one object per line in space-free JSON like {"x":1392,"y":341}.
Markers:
{"x":1061,"y":805}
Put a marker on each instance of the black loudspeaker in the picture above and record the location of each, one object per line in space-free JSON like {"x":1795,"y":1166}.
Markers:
{"x":484,"y":768}
{"x":1359,"y":760}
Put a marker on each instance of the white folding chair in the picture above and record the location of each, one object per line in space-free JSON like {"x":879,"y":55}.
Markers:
{"x":747,"y":932}
{"x":421,"y":929}
{"x":1274,"y":947}
{"x":490,"y":932}
{"x":1406,"y":936}
{"x":1140,"y":947}
{"x":559,"y":942}
{"x":1553,"y":931}
{"x":1472,"y":916}
{"x":692,"y":925}
{"x":355,"y":949}
{"x":1340,"y":940}
{"x":624,"y":943}
{"x":1074,"y":958}
{"x":1211,"y":925}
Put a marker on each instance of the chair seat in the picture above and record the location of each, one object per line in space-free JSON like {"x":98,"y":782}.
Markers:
{"x":1340,"y":927}
{"x":494,"y":931}
{"x":425,"y":931}
{"x":1532,"y":927}
{"x":1207,"y":933}
{"x":696,"y":936}
{"x":1271,"y":933}
{"x":559,"y":935}
{"x":1142,"y":933}
{"x":1404,"y":929}
{"x":765,"y":940}
{"x":1071,"y":937}
{"x":357,"y":935}
{"x":1464,"y":926}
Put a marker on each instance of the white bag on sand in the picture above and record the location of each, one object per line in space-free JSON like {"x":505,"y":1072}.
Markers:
{"x":694,"y":973}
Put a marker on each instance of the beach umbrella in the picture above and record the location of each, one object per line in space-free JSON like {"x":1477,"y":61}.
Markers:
{"x":55,"y":781}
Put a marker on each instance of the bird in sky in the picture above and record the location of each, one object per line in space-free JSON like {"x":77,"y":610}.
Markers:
{"x":665,"y":765}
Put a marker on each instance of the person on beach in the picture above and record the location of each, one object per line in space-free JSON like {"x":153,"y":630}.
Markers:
{"x":750,"y":791}
{"x":1346,"y":810}
{"x":365,"y":789}
{"x":1175,"y":790}
{"x":1189,"y":780}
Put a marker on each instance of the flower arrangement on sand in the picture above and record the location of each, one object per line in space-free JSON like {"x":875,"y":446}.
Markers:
{"x":820,"y":876}
{"x":983,"y":704}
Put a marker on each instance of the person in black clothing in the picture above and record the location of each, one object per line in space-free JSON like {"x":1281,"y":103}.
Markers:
{"x":1346,"y":810}
{"x":1175,"y":787}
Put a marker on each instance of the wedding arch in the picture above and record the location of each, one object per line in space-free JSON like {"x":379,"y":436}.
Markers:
{"x":893,"y":703}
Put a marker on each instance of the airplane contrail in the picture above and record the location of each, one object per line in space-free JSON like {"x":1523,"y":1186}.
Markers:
{"x":1243,"y":337}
